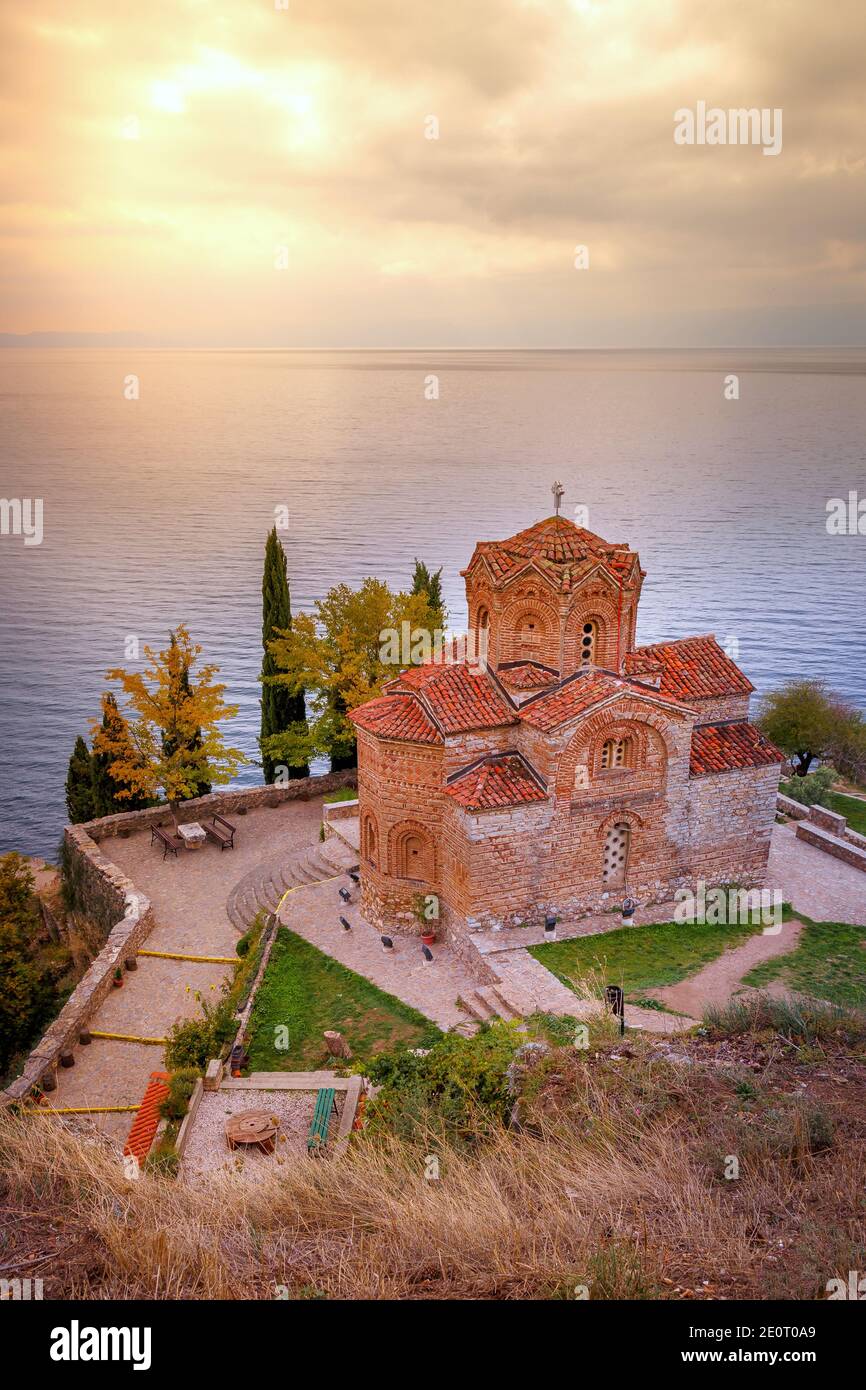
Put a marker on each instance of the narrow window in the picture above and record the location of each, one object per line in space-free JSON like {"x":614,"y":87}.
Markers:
{"x":587,"y":644}
{"x":616,"y":848}
{"x":616,"y":753}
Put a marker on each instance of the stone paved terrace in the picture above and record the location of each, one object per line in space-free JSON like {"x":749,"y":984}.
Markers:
{"x":816,"y":884}
{"x":189,"y":903}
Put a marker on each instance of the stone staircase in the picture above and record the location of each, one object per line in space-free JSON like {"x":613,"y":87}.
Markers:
{"x":265,"y":885}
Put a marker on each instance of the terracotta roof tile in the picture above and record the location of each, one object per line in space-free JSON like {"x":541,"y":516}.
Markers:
{"x":694,"y":668}
{"x":459,"y":697}
{"x":573,"y":698}
{"x":526,"y":675}
{"x":397,"y":716}
{"x":562,"y":551}
{"x":724,"y":747}
{"x":501,"y":780}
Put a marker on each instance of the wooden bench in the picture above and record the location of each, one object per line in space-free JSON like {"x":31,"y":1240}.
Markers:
{"x":221,"y":831}
{"x":170,"y":843}
{"x":318,"y":1135}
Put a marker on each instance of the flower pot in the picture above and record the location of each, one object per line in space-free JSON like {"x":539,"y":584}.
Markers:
{"x":428,"y":938}
{"x":118,"y":984}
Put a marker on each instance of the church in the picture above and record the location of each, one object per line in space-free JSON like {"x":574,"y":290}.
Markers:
{"x":569,"y":769}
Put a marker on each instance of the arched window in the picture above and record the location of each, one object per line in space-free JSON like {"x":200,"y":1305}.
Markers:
{"x":617,"y":842}
{"x":588,"y":643}
{"x":371,"y":840}
{"x":483,"y":619}
{"x":616,"y":752}
{"x":414,"y":856}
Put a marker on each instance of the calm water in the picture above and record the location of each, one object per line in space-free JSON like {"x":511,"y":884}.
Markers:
{"x":156,"y":511}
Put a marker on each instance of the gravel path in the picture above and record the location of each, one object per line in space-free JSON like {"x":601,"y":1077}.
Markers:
{"x":714,"y":985}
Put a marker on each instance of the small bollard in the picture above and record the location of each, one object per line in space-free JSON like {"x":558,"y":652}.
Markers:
{"x":550,"y":928}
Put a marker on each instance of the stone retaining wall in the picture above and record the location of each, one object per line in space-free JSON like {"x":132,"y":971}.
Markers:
{"x":103,"y":884}
{"x":794,"y":810}
{"x":222,"y":803}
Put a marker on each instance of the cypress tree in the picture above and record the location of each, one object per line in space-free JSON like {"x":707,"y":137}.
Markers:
{"x":169,"y":744}
{"x":425,"y":582}
{"x":79,"y":786}
{"x":104,"y":788}
{"x":280,"y":707}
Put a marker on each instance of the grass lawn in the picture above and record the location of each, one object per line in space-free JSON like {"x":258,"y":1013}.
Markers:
{"x":307,"y":992}
{"x":341,"y":794}
{"x":852,"y":808}
{"x":829,"y":963}
{"x":639,"y":958}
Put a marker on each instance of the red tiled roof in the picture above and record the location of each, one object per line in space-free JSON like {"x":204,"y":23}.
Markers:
{"x":561,"y":550}
{"x":459,"y":697}
{"x":525,"y":675}
{"x":502,"y":780}
{"x":724,"y":747}
{"x":573,"y":698}
{"x":695,"y":668}
{"x":397,"y":716}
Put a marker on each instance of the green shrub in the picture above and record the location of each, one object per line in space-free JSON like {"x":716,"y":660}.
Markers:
{"x":163,"y":1161}
{"x":242,"y":947}
{"x":812,"y":790}
{"x":180,"y":1088}
{"x":193,"y":1041}
{"x":457,"y":1091}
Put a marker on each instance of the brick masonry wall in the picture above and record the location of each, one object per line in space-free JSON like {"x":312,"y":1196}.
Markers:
{"x":496,"y":868}
{"x":731,"y":822}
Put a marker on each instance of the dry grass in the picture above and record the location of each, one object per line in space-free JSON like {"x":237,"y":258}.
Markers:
{"x":614,"y":1183}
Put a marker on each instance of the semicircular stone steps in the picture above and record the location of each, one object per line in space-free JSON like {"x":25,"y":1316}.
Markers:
{"x":264,"y":885}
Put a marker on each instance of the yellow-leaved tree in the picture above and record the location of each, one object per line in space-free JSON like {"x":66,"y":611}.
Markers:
{"x":341,"y":656}
{"x":171,"y":745}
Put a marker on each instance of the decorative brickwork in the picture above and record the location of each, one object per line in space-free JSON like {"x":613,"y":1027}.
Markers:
{"x":572,"y":770}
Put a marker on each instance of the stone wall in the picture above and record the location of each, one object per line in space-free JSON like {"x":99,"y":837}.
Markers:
{"x":221,"y":803}
{"x":104,"y":890}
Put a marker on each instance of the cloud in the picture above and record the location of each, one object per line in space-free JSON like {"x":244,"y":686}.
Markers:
{"x":155,"y":156}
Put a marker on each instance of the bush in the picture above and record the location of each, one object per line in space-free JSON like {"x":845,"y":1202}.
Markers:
{"x":794,"y":1019}
{"x":193,"y":1041}
{"x":812,"y":790}
{"x":180,"y":1088}
{"x":457,"y":1091}
{"x":163,"y":1161}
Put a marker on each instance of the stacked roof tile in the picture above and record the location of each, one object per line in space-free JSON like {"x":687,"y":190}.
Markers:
{"x":500,"y":780}
{"x":562,"y":551}
{"x":458,"y":697}
{"x":725,"y":747}
{"x":399,"y":717}
{"x":694,"y":668}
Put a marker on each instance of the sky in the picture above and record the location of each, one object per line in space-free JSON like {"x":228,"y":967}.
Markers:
{"x":235,"y":174}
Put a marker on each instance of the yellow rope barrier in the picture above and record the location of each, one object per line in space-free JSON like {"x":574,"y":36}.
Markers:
{"x":177,"y":955}
{"x":80,"y":1110}
{"x":298,"y":886}
{"x":127,"y":1037}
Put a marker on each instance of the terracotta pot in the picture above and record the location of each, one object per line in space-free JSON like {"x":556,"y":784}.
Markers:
{"x":428,"y":938}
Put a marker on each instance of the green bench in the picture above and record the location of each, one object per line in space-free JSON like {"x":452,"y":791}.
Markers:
{"x":318,"y":1135}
